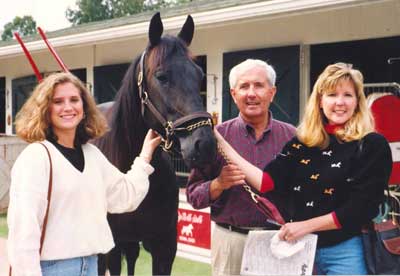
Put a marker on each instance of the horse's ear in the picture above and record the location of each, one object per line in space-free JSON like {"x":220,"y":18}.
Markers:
{"x":155,"y":29}
{"x":186,"y":34}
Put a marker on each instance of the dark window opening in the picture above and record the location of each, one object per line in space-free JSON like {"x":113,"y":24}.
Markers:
{"x":375,"y":68}
{"x":201,"y":61}
{"x":107,"y":81}
{"x":2,"y":105}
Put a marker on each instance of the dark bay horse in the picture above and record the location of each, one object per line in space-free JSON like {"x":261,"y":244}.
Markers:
{"x":160,"y":90}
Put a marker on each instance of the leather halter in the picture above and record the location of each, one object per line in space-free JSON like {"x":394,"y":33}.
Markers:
{"x":200,"y":118}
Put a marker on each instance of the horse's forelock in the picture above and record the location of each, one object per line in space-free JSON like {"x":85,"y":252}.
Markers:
{"x":166,"y":48}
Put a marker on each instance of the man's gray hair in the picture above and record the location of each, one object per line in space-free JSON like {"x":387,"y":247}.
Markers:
{"x":248,"y":64}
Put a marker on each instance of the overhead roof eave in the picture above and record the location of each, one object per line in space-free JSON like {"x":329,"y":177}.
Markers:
{"x":203,"y":19}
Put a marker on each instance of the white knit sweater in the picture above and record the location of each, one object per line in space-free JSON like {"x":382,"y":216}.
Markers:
{"x":77,"y":224}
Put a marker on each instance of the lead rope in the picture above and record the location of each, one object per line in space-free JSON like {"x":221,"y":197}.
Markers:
{"x":246,"y":187}
{"x":264,"y":205}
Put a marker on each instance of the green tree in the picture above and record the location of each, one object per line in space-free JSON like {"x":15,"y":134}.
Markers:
{"x":97,"y":10}
{"x":118,"y":8}
{"x":88,"y":11}
{"x":25,"y":25}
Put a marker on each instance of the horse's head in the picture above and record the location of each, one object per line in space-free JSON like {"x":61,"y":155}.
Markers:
{"x":169,"y":84}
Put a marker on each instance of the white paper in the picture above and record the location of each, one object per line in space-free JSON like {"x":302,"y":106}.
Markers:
{"x":259,"y":260}
{"x":283,"y":249}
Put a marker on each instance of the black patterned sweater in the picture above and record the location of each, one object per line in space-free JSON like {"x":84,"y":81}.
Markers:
{"x":345,"y":179}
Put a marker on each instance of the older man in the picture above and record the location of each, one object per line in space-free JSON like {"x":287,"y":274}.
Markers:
{"x":258,"y":138}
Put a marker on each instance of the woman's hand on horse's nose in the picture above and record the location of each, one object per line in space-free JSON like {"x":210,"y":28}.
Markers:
{"x":151,"y":142}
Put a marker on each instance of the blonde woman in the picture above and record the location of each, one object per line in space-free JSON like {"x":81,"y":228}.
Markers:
{"x":62,"y":115}
{"x":336,"y":168}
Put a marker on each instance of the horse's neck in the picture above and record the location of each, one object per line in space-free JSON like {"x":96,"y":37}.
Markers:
{"x":162,"y":163}
{"x":131,"y":139}
{"x":124,"y":140}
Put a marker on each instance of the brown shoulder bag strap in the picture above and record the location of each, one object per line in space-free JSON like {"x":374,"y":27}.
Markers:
{"x":46,"y":215}
{"x":50,"y":188}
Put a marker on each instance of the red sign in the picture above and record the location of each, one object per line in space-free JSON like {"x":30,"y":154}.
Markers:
{"x":194,"y":228}
{"x":385,"y":110}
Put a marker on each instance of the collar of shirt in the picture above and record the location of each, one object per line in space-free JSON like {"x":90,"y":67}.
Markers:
{"x":331,"y":129}
{"x":248,"y":129}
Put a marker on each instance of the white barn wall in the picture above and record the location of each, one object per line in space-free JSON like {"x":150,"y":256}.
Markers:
{"x":377,"y":19}
{"x":122,"y":51}
{"x":74,"y":58}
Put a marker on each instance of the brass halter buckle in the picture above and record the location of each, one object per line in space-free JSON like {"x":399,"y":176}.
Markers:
{"x":140,"y":78}
{"x":168,"y":142}
{"x":167,"y":145}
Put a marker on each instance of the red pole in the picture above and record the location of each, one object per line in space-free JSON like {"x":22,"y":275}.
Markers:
{"x":28,"y":55}
{"x":56,"y":56}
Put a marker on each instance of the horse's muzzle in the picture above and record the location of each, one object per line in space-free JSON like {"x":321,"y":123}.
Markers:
{"x":200,"y":148}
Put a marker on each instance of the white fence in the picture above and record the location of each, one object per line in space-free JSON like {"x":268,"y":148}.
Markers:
{"x":10,"y":147}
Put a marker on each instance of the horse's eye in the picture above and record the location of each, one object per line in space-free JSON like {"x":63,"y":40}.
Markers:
{"x":161,"y":77}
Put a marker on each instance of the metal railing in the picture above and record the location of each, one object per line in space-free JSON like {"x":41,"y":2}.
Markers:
{"x":180,"y":168}
{"x":383,"y":87}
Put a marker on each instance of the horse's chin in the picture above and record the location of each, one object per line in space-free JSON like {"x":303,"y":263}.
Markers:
{"x":198,"y":164}
{"x":199,"y":149}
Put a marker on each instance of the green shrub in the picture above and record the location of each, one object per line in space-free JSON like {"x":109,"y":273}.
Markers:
{"x":3,"y":225}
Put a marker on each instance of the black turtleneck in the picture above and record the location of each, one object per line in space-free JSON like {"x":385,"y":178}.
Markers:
{"x":73,"y":155}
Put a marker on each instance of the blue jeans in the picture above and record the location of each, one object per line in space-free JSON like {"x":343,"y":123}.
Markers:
{"x":341,"y":259}
{"x":80,"y":266}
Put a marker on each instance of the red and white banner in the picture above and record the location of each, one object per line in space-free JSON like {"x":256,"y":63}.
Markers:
{"x":193,"y":232}
{"x":194,"y":228}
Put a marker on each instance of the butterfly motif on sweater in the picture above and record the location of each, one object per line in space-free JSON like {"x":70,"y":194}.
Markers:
{"x":337,"y":165}
{"x":305,"y":161}
{"x":314,"y":176}
{"x":296,"y":146}
{"x":329,"y":191}
{"x":329,"y":153}
{"x":298,"y":188}
{"x":282,"y":154}
{"x":310,"y":204}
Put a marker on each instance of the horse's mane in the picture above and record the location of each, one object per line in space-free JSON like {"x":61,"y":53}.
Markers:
{"x":127,"y":129}
{"x":124,"y":140}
